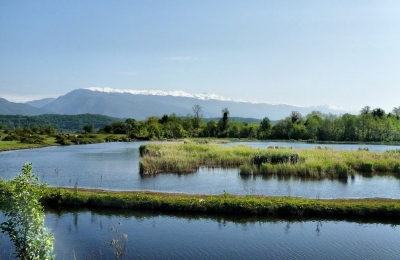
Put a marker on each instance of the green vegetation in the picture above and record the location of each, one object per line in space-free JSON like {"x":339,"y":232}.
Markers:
{"x":20,"y":199}
{"x":317,"y":163}
{"x":25,"y":223}
{"x":66,"y":123}
{"x":371,"y":125}
{"x":225,"y":203}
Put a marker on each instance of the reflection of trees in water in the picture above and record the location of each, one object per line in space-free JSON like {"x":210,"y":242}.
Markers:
{"x":318,"y":229}
{"x":247,"y":184}
{"x":287,"y":227}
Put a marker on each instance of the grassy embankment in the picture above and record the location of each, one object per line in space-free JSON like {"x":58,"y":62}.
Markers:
{"x":16,"y":145}
{"x":70,"y":139}
{"x":315,"y":163}
{"x":225,"y":203}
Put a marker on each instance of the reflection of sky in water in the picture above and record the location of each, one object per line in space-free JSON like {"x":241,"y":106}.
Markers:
{"x":116,"y":166}
{"x":299,"y":145}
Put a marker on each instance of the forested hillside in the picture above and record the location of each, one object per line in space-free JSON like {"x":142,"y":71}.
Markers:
{"x":59,"y":122}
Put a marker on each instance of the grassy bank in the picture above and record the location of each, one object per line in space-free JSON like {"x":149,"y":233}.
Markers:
{"x":17,"y":145}
{"x":315,"y":163}
{"x":60,"y":139}
{"x":225,"y":203}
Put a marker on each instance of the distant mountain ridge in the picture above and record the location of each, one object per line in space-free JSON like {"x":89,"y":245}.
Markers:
{"x":140,"y":104}
{"x":40,"y":103}
{"x":11,"y":108}
{"x":143,"y":104}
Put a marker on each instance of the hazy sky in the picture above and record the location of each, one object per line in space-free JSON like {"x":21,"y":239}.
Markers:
{"x":343,"y":53}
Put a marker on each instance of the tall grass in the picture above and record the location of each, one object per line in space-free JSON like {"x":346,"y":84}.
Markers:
{"x":316,"y":163}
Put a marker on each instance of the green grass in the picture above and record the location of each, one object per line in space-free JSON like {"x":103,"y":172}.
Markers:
{"x":16,"y":145}
{"x":52,"y":141}
{"x":224,"y":203}
{"x":289,"y":206}
{"x":316,"y":163}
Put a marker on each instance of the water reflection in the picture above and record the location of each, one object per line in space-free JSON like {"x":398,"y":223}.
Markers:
{"x":101,"y":234}
{"x":182,"y":236}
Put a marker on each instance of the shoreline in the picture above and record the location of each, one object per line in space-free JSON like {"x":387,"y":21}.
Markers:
{"x":254,"y":205}
{"x":23,"y":146}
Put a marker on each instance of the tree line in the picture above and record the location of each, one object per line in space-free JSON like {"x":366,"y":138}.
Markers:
{"x":55,"y":121}
{"x":370,"y":125}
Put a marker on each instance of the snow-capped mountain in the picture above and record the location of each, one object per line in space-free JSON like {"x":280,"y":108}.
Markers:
{"x":140,"y":104}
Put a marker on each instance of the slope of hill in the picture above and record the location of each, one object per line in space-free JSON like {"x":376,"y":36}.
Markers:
{"x":11,"y":108}
{"x":142,"y":105}
{"x":40,"y":103}
{"x":60,"y":122}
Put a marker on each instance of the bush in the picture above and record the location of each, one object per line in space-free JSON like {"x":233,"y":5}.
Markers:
{"x":25,"y":224}
{"x":12,"y":137}
{"x":32,"y":139}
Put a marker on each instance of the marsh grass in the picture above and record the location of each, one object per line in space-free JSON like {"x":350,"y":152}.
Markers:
{"x":316,"y":163}
{"x":225,"y":203}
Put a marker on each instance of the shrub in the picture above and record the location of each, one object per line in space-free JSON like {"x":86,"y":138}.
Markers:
{"x":25,"y":224}
{"x":366,"y":166}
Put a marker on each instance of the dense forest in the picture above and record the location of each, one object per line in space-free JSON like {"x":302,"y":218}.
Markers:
{"x":370,"y":125}
{"x":58,"y":122}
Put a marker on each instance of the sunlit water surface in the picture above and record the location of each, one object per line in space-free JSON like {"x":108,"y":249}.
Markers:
{"x":116,"y":166}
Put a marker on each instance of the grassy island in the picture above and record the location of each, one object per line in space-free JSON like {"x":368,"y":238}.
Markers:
{"x":315,"y":163}
{"x":224,"y":203}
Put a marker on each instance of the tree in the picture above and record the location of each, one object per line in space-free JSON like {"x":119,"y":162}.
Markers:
{"x":378,"y":112}
{"x":197,"y":115}
{"x":264,"y":128}
{"x":88,"y":129}
{"x":365,"y":110}
{"x":118,"y":127}
{"x":396,"y":112}
{"x":210,"y":130}
{"x":25,"y":224}
{"x":224,"y":122}
{"x":296,"y":117}
{"x":48,"y":130}
{"x":281,"y":130}
{"x":312,"y":124}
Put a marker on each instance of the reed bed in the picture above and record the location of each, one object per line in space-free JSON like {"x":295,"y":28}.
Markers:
{"x":315,"y":163}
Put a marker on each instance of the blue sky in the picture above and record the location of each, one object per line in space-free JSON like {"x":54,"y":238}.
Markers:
{"x":343,"y":53}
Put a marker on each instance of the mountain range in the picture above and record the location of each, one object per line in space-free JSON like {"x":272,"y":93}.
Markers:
{"x":142,"y":104}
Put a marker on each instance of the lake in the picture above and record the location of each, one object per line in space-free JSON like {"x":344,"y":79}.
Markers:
{"x":115,"y":166}
{"x":87,"y":235}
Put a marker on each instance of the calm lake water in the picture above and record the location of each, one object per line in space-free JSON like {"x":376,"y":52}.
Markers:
{"x":116,"y":166}
{"x":87,"y":235}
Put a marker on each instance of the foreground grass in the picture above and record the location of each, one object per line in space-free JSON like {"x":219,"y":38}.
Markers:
{"x":225,"y":203}
{"x":316,"y":163}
